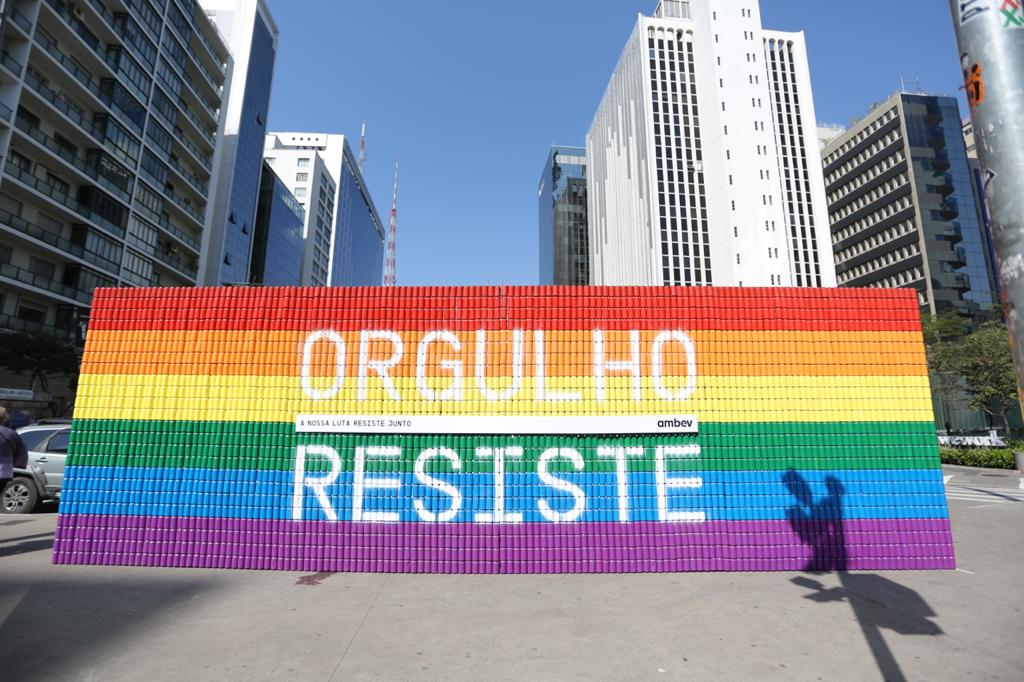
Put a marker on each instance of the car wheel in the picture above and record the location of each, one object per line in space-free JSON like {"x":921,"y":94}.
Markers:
{"x":19,"y":497}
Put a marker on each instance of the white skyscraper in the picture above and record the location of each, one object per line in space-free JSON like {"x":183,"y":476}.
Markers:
{"x":703,"y":156}
{"x":343,"y":235}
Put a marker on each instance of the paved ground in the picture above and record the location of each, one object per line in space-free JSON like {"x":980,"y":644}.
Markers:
{"x":153,"y":624}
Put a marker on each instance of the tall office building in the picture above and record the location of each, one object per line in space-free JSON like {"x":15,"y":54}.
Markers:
{"x":703,"y":157}
{"x":277,"y":236}
{"x":343,"y":234}
{"x":564,"y":242}
{"x":109,"y":115}
{"x":251,"y":35}
{"x":903,"y":206}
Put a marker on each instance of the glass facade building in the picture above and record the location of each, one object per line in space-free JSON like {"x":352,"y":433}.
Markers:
{"x":251,"y":35}
{"x":563,"y":231}
{"x":277,"y":237}
{"x":248,"y":151}
{"x":357,"y":254}
{"x":109,"y":118}
{"x":904,"y":207}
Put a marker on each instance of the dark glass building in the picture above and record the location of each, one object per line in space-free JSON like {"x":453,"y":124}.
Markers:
{"x":564,"y":241}
{"x":252,"y":35}
{"x":358,"y":250}
{"x":277,"y":235}
{"x":904,"y":207}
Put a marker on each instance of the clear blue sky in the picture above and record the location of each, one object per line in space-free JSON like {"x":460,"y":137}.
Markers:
{"x":470,"y":95}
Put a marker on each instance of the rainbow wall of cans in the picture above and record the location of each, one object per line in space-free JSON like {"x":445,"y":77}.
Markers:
{"x":505,"y":430}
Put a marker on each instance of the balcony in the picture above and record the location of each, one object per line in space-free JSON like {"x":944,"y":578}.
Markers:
{"x":65,"y":246}
{"x":208,"y":108}
{"x":132,"y":6}
{"x":54,"y":100}
{"x":85,"y":80}
{"x":197,"y":154}
{"x":56,"y":195}
{"x":201,"y":131}
{"x":201,"y":188}
{"x":100,"y":50}
{"x":16,"y":324}
{"x":11,"y":64}
{"x":205,"y":133}
{"x":164,"y":224}
{"x":69,"y":157}
{"x":187,"y":270}
{"x":211,"y":82}
{"x":19,"y":19}
{"x":181,"y":204}
{"x":5,"y":113}
{"x":209,"y":50}
{"x":24,"y":276}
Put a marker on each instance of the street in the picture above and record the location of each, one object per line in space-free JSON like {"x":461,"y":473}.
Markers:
{"x":85,"y":623}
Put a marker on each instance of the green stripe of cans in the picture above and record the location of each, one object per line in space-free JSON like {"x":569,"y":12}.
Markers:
{"x":723,"y":447}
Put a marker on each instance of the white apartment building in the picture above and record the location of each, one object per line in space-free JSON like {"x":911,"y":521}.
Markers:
{"x":343,"y":235}
{"x":703,"y":156}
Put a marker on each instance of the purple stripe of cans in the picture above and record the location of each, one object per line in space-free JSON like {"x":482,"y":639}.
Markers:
{"x":870,"y":544}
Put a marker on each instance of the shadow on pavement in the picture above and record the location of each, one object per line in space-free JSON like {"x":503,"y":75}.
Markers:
{"x":877,"y":602}
{"x":58,"y":629}
{"x":26,"y":544}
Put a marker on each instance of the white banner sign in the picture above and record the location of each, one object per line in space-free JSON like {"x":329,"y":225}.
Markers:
{"x":480,"y":425}
{"x":16,"y":394}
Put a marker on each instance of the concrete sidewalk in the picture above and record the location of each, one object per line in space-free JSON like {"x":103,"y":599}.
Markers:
{"x":85,"y":623}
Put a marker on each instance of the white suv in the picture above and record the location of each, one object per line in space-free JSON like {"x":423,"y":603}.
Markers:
{"x":47,"y":445}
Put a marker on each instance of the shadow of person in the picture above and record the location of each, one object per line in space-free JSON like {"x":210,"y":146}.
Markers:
{"x":877,"y":602}
{"x":819,"y":524}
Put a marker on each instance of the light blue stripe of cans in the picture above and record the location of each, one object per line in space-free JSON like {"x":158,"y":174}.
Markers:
{"x":723,"y":496}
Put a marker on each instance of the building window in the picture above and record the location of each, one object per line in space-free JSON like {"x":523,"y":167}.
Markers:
{"x":31,"y":313}
{"x":303,"y":163}
{"x":300,"y":192}
{"x":302,"y":177}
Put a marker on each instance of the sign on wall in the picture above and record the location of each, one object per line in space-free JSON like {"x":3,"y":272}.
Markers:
{"x":505,"y":430}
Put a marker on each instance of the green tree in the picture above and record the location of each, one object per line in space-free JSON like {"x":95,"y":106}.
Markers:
{"x":980,"y":365}
{"x":949,"y":326}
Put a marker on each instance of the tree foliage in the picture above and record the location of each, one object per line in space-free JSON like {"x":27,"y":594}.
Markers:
{"x":40,"y":356}
{"x":981,"y":366}
{"x":949,"y":326}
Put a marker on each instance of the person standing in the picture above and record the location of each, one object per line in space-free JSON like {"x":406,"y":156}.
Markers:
{"x":13,"y":453}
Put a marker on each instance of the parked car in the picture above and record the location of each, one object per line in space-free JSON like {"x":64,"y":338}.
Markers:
{"x":41,"y":481}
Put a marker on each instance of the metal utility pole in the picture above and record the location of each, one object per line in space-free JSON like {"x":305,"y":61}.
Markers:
{"x":390,"y":273}
{"x":991,"y":39}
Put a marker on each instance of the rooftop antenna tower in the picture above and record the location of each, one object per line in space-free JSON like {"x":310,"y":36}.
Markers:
{"x":390,"y":274}
{"x":362,"y":150}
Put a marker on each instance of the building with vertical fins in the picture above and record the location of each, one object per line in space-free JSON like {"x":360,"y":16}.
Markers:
{"x":277,"y":235}
{"x":251,"y":35}
{"x":703,"y":159}
{"x":343,"y":236}
{"x":904,"y":206}
{"x":563,"y":233}
{"x":109,"y":120}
